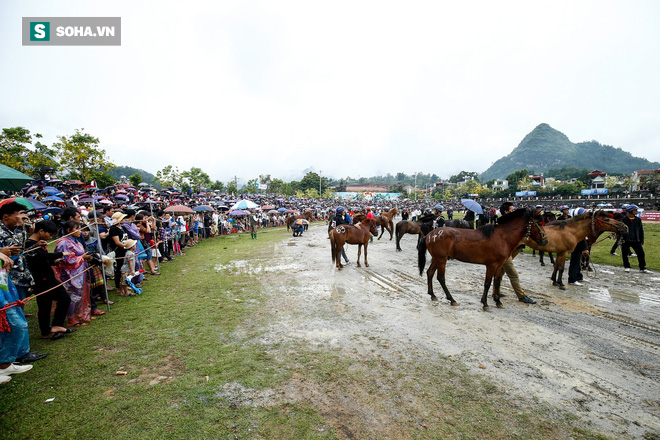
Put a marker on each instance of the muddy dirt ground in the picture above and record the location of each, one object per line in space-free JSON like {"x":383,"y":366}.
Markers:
{"x":592,"y":350}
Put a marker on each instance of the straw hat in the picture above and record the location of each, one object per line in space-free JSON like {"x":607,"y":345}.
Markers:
{"x":129,"y":243}
{"x":118,"y":216}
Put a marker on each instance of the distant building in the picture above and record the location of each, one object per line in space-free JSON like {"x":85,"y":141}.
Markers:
{"x":639,"y":178}
{"x":500,"y":185}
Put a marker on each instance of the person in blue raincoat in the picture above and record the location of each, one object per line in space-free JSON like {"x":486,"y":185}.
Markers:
{"x":15,"y":344}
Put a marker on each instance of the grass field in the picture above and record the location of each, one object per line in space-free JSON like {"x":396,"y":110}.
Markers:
{"x":194,"y":332}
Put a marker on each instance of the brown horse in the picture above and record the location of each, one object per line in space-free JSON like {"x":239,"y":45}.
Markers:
{"x":490,"y":245}
{"x":563,"y":235}
{"x":352,"y":234}
{"x":410,"y":227}
{"x":308,"y":215}
{"x":384,"y":220}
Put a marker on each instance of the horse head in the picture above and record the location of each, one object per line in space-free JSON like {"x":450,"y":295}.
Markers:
{"x":602,"y":221}
{"x":372,"y":226}
{"x":535,"y":229}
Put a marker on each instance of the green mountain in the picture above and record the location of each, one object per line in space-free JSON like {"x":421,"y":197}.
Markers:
{"x":545,"y":148}
{"x":119,"y":171}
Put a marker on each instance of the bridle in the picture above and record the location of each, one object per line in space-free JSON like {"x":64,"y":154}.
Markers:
{"x":528,"y":232}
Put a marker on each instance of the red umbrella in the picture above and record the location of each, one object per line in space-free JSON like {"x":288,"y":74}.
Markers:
{"x":179,"y":209}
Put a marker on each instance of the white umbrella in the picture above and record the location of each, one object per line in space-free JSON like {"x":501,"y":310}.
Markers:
{"x":243,"y":204}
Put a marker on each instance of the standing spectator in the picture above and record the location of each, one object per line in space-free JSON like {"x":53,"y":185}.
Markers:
{"x":634,"y":239}
{"x":40,"y":263}
{"x":12,"y":243}
{"x":72,"y":265}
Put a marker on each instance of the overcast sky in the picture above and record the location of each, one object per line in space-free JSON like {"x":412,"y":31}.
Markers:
{"x":349,"y":88}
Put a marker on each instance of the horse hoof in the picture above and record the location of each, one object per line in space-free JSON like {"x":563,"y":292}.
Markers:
{"x":500,"y":306}
{"x":555,"y":283}
{"x":542,"y":264}
{"x":366,"y":265}
{"x":434,"y":298}
{"x":486,"y":309}
{"x":454,"y":304}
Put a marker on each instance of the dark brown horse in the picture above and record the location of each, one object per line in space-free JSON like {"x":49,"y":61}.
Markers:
{"x":547,"y":216}
{"x":490,"y":245}
{"x":563,"y":235}
{"x":352,"y":234}
{"x":385,"y":221}
{"x":307,"y":215}
{"x":411,"y":227}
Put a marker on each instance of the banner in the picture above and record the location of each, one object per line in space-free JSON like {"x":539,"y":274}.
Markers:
{"x":650,"y":216}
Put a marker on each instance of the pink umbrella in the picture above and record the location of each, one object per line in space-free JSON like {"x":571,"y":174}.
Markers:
{"x":179,"y":209}
{"x":121,"y":191}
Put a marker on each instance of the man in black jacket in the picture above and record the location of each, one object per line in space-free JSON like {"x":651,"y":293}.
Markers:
{"x":634,"y":239}
{"x":40,"y":261}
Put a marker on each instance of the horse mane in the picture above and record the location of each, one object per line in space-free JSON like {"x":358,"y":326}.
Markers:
{"x":520,"y":212}
{"x":486,"y":230}
{"x":569,"y":221}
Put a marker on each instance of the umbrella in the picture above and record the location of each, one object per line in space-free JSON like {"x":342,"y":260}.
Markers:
{"x":52,"y":210}
{"x":90,"y":199}
{"x":237,"y":213}
{"x":74,"y":182}
{"x":472,"y":206}
{"x":105,"y":202}
{"x":290,"y":211}
{"x":178,"y":209}
{"x":12,"y":180}
{"x":281,"y":209}
{"x":52,"y":199}
{"x":143,"y":184}
{"x":50,"y":191}
{"x":272,"y":211}
{"x":148,"y":202}
{"x":120,"y":191}
{"x":301,"y":222}
{"x":223,"y":208}
{"x":202,"y":208}
{"x":121,"y":197}
{"x":29,"y":204}
{"x":267,"y":207}
{"x":244,"y":204}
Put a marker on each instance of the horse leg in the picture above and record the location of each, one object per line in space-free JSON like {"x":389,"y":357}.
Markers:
{"x":390,"y":227}
{"x":560,"y":262}
{"x":398,"y":240}
{"x":382,"y":231}
{"x":552,"y":260}
{"x":442,"y":265}
{"x":359,"y":252}
{"x":366,"y":263}
{"x":490,"y":271}
{"x":429,"y":278}
{"x":497,"y":283}
{"x":541,"y":258}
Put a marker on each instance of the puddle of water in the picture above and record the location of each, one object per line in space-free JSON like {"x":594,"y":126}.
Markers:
{"x":254,"y":267}
{"x":600,"y":294}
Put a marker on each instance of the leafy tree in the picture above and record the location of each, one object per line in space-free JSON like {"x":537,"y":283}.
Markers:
{"x":103,"y":180}
{"x":218,"y":186}
{"x":169,"y":177}
{"x":275,"y":186}
{"x":81,"y":155}
{"x":567,"y":190}
{"x":231,"y":187}
{"x":135,"y":179}
{"x":15,"y":151}
{"x":400,"y":176}
{"x":311,"y":180}
{"x":515,"y":177}
{"x":463,"y":175}
{"x":250,"y":187}
{"x":196,"y":178}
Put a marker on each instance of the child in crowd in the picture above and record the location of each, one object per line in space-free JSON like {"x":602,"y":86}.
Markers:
{"x":128,"y":267}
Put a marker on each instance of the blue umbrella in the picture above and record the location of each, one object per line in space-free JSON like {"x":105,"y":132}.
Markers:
{"x":52,"y":199}
{"x":50,"y":191}
{"x":202,"y":208}
{"x":472,"y":206}
{"x":121,"y":197}
{"x":281,"y":209}
{"x":237,"y":213}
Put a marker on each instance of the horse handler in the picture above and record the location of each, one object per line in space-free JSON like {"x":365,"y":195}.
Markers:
{"x":510,"y":269}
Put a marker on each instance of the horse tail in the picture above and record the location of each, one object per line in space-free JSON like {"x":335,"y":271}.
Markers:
{"x":333,"y":245}
{"x":421,"y":254}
